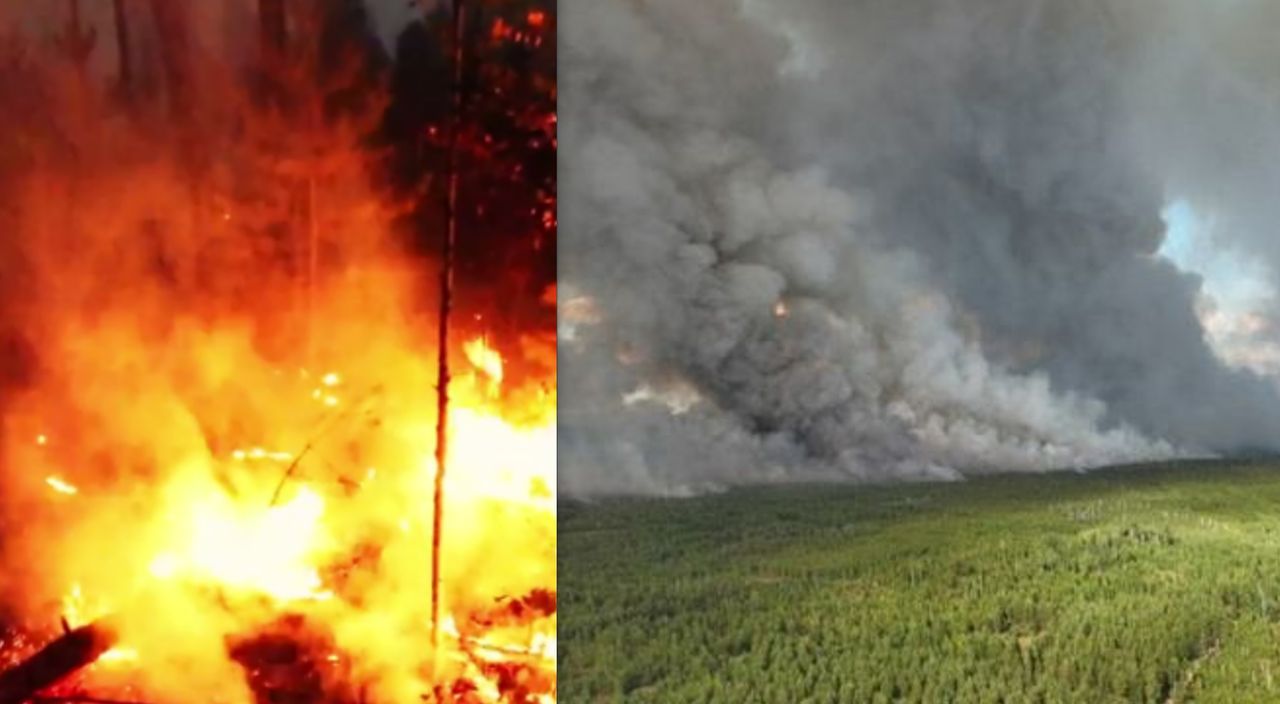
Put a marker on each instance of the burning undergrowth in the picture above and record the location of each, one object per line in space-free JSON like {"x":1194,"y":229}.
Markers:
{"x":219,"y":415}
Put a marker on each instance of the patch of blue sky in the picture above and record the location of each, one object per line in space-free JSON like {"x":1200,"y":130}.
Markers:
{"x":1231,"y":279}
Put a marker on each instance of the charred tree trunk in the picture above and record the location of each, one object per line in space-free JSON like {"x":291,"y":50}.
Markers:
{"x":58,"y":660}
{"x":271,"y":27}
{"x":446,"y":306}
{"x":171,"y":19}
{"x":123,"y":49}
{"x":77,"y":42}
{"x":272,"y":41}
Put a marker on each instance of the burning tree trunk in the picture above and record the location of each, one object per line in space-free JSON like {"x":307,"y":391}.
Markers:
{"x":446,"y":302}
{"x":122,"y":48}
{"x":62,"y":658}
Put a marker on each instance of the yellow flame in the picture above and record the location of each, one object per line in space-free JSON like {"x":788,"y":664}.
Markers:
{"x":119,"y":654}
{"x":484,"y":358}
{"x":265,"y":552}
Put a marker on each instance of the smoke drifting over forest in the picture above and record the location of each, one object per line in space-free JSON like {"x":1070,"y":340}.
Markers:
{"x":882,"y":240}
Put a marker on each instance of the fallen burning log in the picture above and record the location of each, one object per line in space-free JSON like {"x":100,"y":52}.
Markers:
{"x":72,"y":651}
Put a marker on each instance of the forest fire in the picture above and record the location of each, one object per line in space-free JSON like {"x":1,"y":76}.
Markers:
{"x":219,"y":371}
{"x":340,"y":556}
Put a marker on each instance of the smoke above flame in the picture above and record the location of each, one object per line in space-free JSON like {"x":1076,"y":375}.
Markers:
{"x":889,"y":241}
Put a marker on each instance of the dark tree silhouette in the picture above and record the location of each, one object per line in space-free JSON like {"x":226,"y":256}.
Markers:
{"x":506,"y":220}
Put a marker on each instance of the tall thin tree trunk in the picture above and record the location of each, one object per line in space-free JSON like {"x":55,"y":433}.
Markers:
{"x":74,"y":35}
{"x":271,"y":26}
{"x":313,"y":265}
{"x":74,"y":9}
{"x":446,"y":305}
{"x":123,"y":50}
{"x":171,"y":20}
{"x":78,"y":43}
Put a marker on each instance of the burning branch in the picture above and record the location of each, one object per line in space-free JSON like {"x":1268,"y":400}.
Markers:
{"x":328,"y":426}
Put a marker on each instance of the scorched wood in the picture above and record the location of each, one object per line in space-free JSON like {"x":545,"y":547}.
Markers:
{"x":73,"y":650}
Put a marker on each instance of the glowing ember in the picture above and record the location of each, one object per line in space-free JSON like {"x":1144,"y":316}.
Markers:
{"x":118,"y":655}
{"x":61,"y":486}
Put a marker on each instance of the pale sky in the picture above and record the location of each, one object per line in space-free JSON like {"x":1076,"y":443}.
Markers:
{"x":1237,"y":296}
{"x":1190,"y":243}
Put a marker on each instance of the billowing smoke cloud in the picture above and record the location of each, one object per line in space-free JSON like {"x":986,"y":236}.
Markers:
{"x":884,"y":240}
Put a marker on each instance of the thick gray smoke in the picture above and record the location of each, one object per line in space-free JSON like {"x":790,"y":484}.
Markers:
{"x":886,"y":240}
